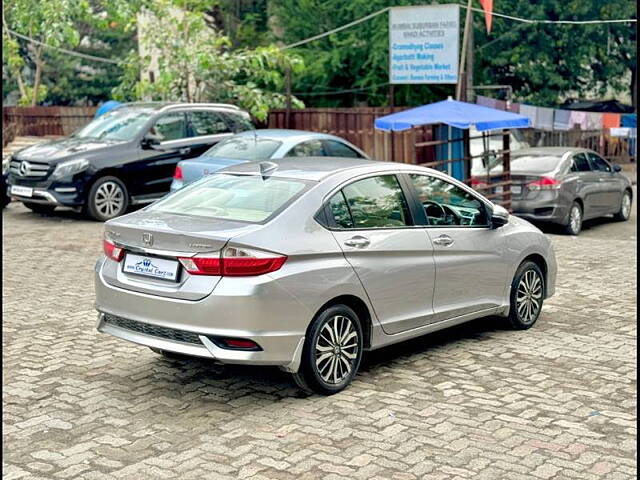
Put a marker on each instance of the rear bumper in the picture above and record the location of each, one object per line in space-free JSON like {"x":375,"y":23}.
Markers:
{"x":260,"y":312}
{"x":543,"y":210}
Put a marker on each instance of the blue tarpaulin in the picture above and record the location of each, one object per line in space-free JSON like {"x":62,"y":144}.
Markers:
{"x":453,"y":113}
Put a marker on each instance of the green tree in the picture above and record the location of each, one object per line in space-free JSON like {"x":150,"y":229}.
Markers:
{"x":196,"y":63}
{"x":544,"y":62}
{"x":51,"y":22}
{"x":541,"y":62}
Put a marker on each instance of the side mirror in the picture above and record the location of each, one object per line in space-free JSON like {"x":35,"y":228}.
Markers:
{"x":151,"y":141}
{"x":499,"y":216}
{"x":617,"y":168}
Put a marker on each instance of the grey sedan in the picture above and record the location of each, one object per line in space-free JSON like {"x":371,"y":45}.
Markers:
{"x":565,"y":186}
{"x":305,"y":263}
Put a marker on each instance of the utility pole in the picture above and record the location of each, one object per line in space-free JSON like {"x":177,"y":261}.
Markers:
{"x":469,"y":96}
{"x":465,"y":40}
{"x":287,"y":115}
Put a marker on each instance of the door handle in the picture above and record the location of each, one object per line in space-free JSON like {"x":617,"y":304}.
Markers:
{"x":443,"y":240}
{"x":358,"y":242}
{"x":184,"y":150}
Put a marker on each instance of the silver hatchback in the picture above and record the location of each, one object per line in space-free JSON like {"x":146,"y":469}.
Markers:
{"x":306,"y":263}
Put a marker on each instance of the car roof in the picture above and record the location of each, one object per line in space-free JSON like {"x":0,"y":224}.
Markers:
{"x":171,"y":105}
{"x":550,"y":151}
{"x":318,"y":168}
{"x":288,"y":134}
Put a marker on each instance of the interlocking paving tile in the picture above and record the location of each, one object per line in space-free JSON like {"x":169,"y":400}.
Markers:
{"x":475,"y":401}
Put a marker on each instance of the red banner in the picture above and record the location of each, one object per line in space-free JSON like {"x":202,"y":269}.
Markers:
{"x":487,"y":6}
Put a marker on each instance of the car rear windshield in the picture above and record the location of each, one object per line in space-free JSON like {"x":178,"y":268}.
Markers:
{"x":121,"y":124}
{"x":244,"y":148}
{"x":535,"y":163}
{"x":245,"y":198}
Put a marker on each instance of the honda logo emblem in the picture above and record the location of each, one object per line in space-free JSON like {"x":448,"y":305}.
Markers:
{"x":147,"y":239}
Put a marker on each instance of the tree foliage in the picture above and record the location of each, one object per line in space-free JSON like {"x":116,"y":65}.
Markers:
{"x":196,"y":63}
{"x":541,"y":62}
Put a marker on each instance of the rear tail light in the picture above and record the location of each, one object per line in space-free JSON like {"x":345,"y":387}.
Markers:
{"x":545,"y":183}
{"x":111,"y":251}
{"x":477,"y":183}
{"x":177,"y":175}
{"x":240,"y":344}
{"x":234,"y":262}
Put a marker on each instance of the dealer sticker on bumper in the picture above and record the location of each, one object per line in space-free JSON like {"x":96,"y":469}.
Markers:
{"x":151,"y":267}
{"x":21,"y":191}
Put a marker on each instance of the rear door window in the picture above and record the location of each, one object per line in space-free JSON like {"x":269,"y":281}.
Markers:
{"x":207,"y":123}
{"x":237,"y":122}
{"x":376,"y":202}
{"x":339,"y":149}
{"x":311,"y":148}
{"x":579,"y":163}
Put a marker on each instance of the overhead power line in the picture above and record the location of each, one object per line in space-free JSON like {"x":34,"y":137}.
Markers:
{"x":476,"y":10}
{"x":64,"y":50}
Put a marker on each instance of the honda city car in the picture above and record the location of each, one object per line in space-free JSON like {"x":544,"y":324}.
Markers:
{"x":263,"y":145}
{"x":305,"y":263}
{"x":125,"y":157}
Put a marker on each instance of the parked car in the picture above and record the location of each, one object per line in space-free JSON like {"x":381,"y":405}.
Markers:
{"x":566,"y":186}
{"x":305,"y":263}
{"x":4,"y":197}
{"x":125,"y":157}
{"x":263,"y":145}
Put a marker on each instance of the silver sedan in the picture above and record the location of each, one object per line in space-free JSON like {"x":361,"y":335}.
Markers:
{"x":307,"y":263}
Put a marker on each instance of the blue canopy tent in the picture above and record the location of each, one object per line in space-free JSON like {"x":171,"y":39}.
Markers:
{"x":458,"y":115}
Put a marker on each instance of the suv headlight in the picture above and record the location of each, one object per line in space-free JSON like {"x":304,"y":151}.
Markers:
{"x":70,"y":167}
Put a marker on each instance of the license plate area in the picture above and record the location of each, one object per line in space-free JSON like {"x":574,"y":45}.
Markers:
{"x":151,"y":267}
{"x":22,"y":191}
{"x":516,"y":189}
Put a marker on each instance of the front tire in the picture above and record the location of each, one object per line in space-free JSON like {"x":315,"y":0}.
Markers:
{"x":40,"y":208}
{"x":625,"y":208}
{"x":108,"y":198}
{"x":574,"y":224}
{"x":332,"y":351}
{"x":526,"y":297}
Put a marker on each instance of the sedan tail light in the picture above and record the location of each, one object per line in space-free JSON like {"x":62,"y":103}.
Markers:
{"x":234,"y":262}
{"x":477,"y":183}
{"x":545,"y":183}
{"x":111,"y":251}
{"x":177,"y":175}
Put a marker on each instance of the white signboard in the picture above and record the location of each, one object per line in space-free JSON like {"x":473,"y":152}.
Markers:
{"x":424,"y":44}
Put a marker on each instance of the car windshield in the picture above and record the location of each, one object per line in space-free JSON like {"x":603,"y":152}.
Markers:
{"x":535,"y":163}
{"x":245,"y":198}
{"x":244,"y":148}
{"x":121,"y":124}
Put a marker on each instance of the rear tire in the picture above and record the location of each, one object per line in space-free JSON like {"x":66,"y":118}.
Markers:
{"x":108,"y":198}
{"x":332,"y":351}
{"x":527,"y":296}
{"x":574,"y":225}
{"x":40,"y":208}
{"x":625,"y":208}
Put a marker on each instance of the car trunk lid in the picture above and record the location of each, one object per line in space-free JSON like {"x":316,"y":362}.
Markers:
{"x":153,"y":239}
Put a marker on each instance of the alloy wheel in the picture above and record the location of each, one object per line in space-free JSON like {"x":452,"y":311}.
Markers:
{"x":109,"y":199}
{"x":575,"y":219}
{"x":336,"y":349}
{"x":529,"y":296}
{"x":626,"y":206}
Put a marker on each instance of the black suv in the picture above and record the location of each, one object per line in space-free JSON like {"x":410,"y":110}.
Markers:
{"x":124,"y":157}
